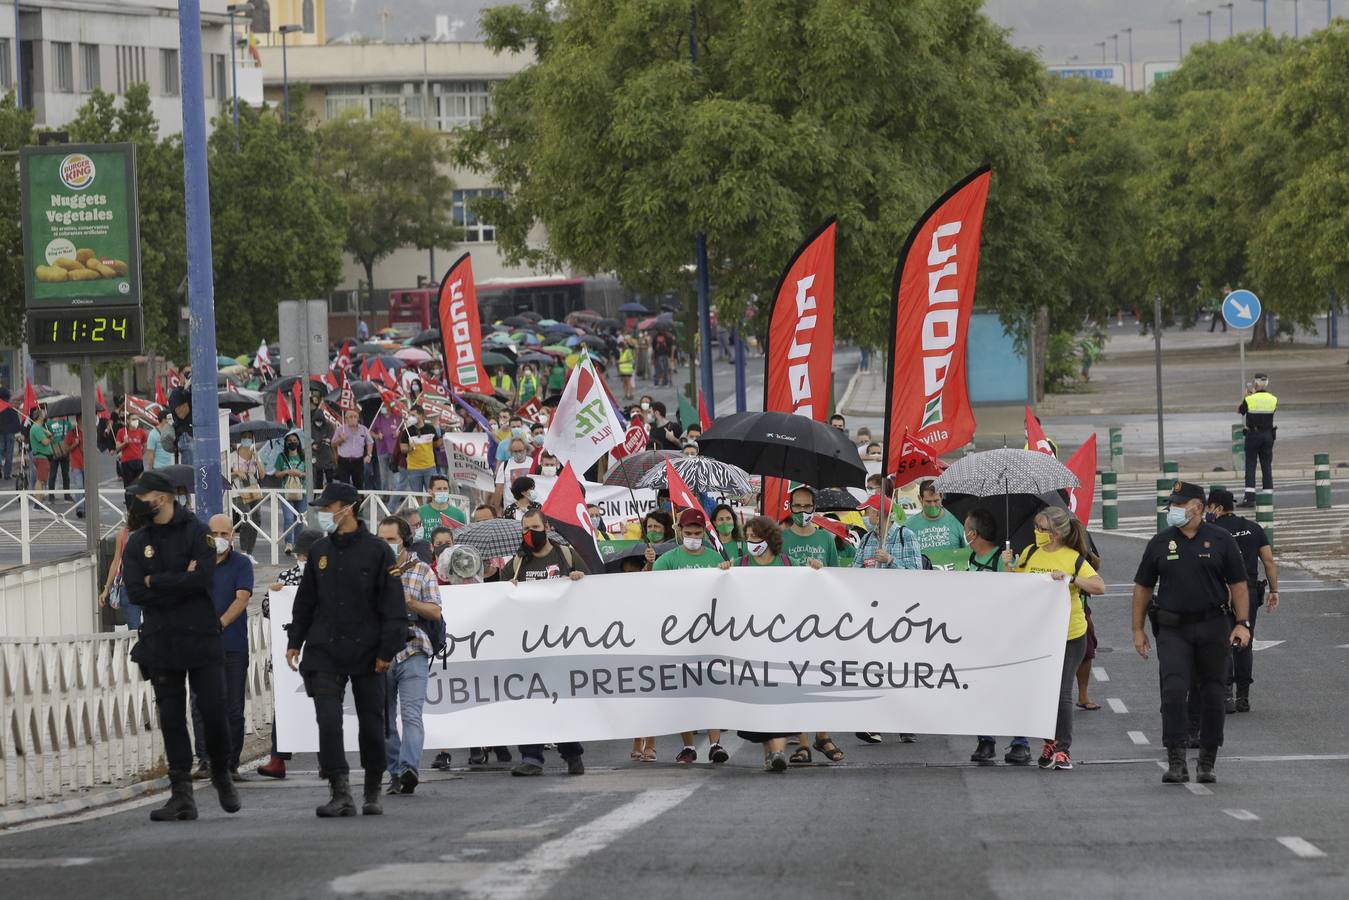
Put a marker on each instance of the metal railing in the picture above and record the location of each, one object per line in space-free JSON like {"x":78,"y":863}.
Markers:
{"x":75,"y":712}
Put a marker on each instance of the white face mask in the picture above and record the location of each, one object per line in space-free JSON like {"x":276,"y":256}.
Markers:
{"x":222,"y":546}
{"x":693,"y":544}
{"x":548,"y":471}
{"x":520,"y":456}
{"x":646,"y":406}
{"x":758,"y":548}
{"x":441,"y":497}
{"x":395,"y":546}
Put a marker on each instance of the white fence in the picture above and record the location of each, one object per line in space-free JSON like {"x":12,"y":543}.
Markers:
{"x":76,"y":713}
{"x":55,"y":599}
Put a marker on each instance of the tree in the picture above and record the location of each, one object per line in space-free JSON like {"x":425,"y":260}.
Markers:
{"x":389,"y":174}
{"x":16,"y":130}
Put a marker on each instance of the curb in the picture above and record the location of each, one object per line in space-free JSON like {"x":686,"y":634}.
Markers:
{"x":843,"y":403}
{"x":96,"y":800}
{"x":1283,"y":474}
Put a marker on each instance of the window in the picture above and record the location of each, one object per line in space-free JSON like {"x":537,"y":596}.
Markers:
{"x":130,"y":67}
{"x":6,"y":65}
{"x":63,"y":68}
{"x":307,"y":14}
{"x":462,"y":104}
{"x":475,"y":231}
{"x":219,"y":77}
{"x":404,"y":98}
{"x":168,"y":72}
{"x":262,"y":17}
{"x":91,"y":66}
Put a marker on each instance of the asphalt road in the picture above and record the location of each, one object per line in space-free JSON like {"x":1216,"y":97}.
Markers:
{"x":893,"y":819}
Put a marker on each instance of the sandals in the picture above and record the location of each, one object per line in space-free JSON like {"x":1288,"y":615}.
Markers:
{"x":829,"y":749}
{"x":1089,"y":706}
{"x":635,"y":755}
{"x":801,"y":757}
{"x":649,"y":754}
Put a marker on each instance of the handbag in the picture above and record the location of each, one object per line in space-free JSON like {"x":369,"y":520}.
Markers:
{"x":294,"y":488}
{"x":249,"y":489}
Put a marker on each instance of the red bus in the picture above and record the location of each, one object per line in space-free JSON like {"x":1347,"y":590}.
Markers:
{"x":498,"y":298}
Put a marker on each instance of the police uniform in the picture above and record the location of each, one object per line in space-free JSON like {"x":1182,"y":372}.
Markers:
{"x":1251,"y":538}
{"x":348,"y":612}
{"x":180,"y":638}
{"x":1191,"y":623}
{"x":1258,"y":408}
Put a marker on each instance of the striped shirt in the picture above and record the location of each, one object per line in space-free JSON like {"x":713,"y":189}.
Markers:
{"x":419,"y":583}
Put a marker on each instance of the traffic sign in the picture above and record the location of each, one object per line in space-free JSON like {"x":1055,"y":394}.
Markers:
{"x":1241,"y":309}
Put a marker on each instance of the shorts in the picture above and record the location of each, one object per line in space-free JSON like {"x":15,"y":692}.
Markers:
{"x":1091,"y":639}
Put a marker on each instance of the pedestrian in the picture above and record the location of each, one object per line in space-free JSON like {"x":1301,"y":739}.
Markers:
{"x":384,"y":429}
{"x":517,"y":466}
{"x":405,"y":682}
{"x":529,"y":384}
{"x":160,"y":443}
{"x":114,"y":591}
{"x":502,"y":382}
{"x":179,"y":421}
{"x":169,"y":570}
{"x":1203,"y":587}
{"x":289,"y":467}
{"x":665,"y":432}
{"x":354,"y":447}
{"x":657,"y":528}
{"x":900,"y":549}
{"x":936,"y":528}
{"x":524,"y":497}
{"x":350,"y":620}
{"x":43,"y":448}
{"x":323,"y":456}
{"x":1258,"y":407}
{"x":231,"y":591}
{"x":438,"y":511}
{"x":130,"y":448}
{"x":728,"y":530}
{"x":246,"y":474}
{"x":627,"y":363}
{"x":537,"y":560}
{"x":10,"y":426}
{"x":60,"y":428}
{"x":1255,"y":553}
{"x":597,"y":524}
{"x":803,"y":541}
{"x":662,"y":348}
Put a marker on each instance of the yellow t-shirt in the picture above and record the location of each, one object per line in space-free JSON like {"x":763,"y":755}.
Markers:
{"x":1063,"y":560}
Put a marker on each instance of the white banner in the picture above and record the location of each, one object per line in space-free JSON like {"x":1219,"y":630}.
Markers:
{"x":618,"y":505}
{"x":466,"y":453}
{"x":774,"y":650}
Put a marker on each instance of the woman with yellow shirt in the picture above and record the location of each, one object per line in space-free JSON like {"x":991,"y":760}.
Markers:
{"x":1060,"y":551}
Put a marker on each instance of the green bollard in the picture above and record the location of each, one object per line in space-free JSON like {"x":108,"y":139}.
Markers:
{"x":1322,"y":480}
{"x":1116,"y":449}
{"x":1164,"y":486}
{"x":1238,"y":448}
{"x":1171,"y":470}
{"x":967,"y":449}
{"x":1109,"y":501}
{"x":1264,"y":513}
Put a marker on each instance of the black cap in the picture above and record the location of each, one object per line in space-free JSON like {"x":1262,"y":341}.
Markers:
{"x":178,"y":396}
{"x":337,"y":492}
{"x":1222,"y":499}
{"x":150,"y":481}
{"x":1184,"y":491}
{"x":1260,"y":376}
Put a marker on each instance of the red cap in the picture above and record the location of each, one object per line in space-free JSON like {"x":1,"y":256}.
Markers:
{"x":692,"y":517}
{"x":875,"y":501}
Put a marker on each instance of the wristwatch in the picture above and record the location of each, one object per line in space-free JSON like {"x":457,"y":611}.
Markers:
{"x":1246,"y":623}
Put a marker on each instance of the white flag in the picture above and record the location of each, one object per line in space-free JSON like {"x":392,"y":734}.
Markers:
{"x":585,"y":426}
{"x":261,"y":361}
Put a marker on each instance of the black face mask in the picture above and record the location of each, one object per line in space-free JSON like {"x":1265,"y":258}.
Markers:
{"x":140,"y":508}
{"x":292,"y":448}
{"x":534,"y":540}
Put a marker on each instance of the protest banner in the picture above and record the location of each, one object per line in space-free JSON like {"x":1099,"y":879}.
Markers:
{"x":619,"y":506}
{"x":766,"y":650}
{"x":467,"y":454}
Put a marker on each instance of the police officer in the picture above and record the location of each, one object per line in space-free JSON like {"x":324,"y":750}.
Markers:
{"x":1255,"y":552}
{"x":350,"y":620}
{"x":1258,"y":408}
{"x":1203,"y":583}
{"x":168,"y":565}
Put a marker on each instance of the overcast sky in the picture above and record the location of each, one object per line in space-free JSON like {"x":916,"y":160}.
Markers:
{"x":1059,"y":29}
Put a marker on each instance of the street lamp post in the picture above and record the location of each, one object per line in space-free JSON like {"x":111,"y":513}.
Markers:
{"x":1264,"y":14}
{"x":1208,"y":15}
{"x":1231,"y":25}
{"x":235,"y":9}
{"x":1115,"y":38}
{"x":1180,"y":39}
{"x":1101,"y":44}
{"x":1295,"y":21}
{"x":1130,"y":33}
{"x":285,"y":68}
{"x":700,"y":254}
{"x":18,"y":60}
{"x":426,"y":106}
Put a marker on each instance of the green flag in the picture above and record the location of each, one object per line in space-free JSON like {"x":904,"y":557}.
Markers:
{"x":687,"y":414}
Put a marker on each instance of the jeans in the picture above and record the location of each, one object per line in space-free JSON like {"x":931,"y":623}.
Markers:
{"x":131,"y":612}
{"x":1193,"y":653}
{"x":418,"y":480}
{"x":533,"y":753}
{"x":290,"y":519}
{"x":77,"y":476}
{"x":352,"y":471}
{"x":1073,"y":653}
{"x":327,"y":690}
{"x":1259,"y":447}
{"x":405,"y":692}
{"x":208,"y":686}
{"x":6,"y":455}
{"x":662,"y":376}
{"x":61,"y":465}
{"x":236,"y":679}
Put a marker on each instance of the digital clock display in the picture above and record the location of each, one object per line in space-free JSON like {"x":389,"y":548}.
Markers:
{"x":85,"y":332}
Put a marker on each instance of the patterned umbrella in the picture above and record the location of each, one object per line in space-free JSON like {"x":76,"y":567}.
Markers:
{"x":630,"y":470}
{"x":1006,"y":471}
{"x":703,"y":475}
{"x":836,"y":499}
{"x":497,"y":537}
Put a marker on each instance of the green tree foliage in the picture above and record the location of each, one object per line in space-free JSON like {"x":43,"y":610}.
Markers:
{"x":16,"y":130}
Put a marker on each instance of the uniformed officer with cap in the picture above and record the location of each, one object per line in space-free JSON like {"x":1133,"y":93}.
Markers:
{"x":1203,"y":584}
{"x":169,"y":569}
{"x":350,"y":620}
{"x":1255,"y":553}
{"x":1258,"y":407}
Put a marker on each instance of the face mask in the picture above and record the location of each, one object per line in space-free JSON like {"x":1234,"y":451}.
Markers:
{"x":326,"y":522}
{"x":725,"y":529}
{"x":246,"y":442}
{"x":693,"y":543}
{"x":597,"y":523}
{"x":1176,"y":516}
{"x":645,"y":406}
{"x":932,"y":512}
{"x":441,"y":497}
{"x":800,"y":518}
{"x":141,"y":508}
{"x":655,"y":537}
{"x":534,"y":540}
{"x":222,"y":546}
{"x":395,"y":546}
{"x":519,"y":457}
{"x":439,"y":549}
{"x":292,"y":448}
{"x":1041,"y":538}
{"x":532,"y":496}
{"x":548,"y":471}
{"x":518,"y":432}
{"x":758,"y":548}
{"x":969,"y":537}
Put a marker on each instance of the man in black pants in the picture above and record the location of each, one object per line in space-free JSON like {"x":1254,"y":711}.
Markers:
{"x":350,"y":619}
{"x":169,"y":570}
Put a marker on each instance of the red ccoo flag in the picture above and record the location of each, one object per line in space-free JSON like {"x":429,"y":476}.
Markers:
{"x":565,"y":510}
{"x":1035,"y":436}
{"x":283,"y":414}
{"x":461,"y":328}
{"x":833,"y":526}
{"x":704,"y":420}
{"x":98,"y":397}
{"x":916,"y":460}
{"x":159,"y":394}
{"x":29,"y":400}
{"x":1083,"y":465}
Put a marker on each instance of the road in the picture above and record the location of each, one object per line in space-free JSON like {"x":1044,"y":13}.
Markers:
{"x":911,"y":819}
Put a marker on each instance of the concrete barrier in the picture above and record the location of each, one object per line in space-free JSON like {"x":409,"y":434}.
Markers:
{"x":49,"y":599}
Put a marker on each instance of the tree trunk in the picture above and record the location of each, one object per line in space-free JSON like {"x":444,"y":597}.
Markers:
{"x":1259,"y":340}
{"x":369,"y":289}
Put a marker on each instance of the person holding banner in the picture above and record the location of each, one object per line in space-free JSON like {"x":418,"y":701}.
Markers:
{"x":936,"y":528}
{"x":728,"y":530}
{"x":901,"y":545}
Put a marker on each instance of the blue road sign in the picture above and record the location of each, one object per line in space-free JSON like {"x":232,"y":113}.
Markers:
{"x":1241,"y":309}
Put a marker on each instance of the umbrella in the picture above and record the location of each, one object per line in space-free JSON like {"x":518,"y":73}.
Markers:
{"x":235,"y":402}
{"x":591,"y":340}
{"x":1016,"y":524}
{"x":376,"y":347}
{"x":630,"y":469}
{"x":786,"y":446}
{"x":836,"y":499}
{"x":634,"y":309}
{"x":581,"y":314}
{"x":390,"y":362}
{"x":530,"y":314}
{"x":552,"y":401}
{"x":613,"y":553}
{"x":517,"y":322}
{"x":226,"y":381}
{"x":544,"y":323}
{"x":609,"y":323}
{"x":179,"y":476}
{"x":703,"y":475}
{"x":259,"y":430}
{"x":496,"y":537}
{"x":414,"y":355}
{"x":492,"y":358}
{"x":222,"y":361}
{"x":363,"y":390}
{"x":429,"y":336}
{"x":1006,"y":472}
{"x":535,"y":358}
{"x":657,"y":325}
{"x":65,"y":406}
{"x":43,"y":391}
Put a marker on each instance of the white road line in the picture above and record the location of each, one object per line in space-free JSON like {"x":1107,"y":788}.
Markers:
{"x":1099,"y":674}
{"x":1198,"y":790}
{"x":1302,"y":847}
{"x":1242,"y":815}
{"x":1138,"y":737}
{"x":1116,"y":705}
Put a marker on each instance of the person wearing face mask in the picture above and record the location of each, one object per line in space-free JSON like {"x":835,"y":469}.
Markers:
{"x":350,"y":621}
{"x":1061,"y":551}
{"x":597,"y":523}
{"x":169,"y":570}
{"x":665,"y":432}
{"x":900,"y":550}
{"x":419,"y":442}
{"x":321,"y":443}
{"x":517,"y":466}
{"x":246,"y":474}
{"x":514,"y":428}
{"x":936,"y":528}
{"x":657,"y":528}
{"x":354,"y":447}
{"x":728,"y":530}
{"x":524,"y":497}
{"x":1203,"y":588}
{"x":803,"y":541}
{"x":438,"y":511}
{"x":548,"y":466}
{"x":232,"y":590}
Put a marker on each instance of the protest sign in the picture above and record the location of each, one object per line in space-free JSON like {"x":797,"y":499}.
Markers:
{"x":470,"y":467}
{"x":618,"y":505}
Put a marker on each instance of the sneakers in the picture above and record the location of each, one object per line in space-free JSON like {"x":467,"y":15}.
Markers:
{"x":409,"y":780}
{"x":527,"y":768}
{"x":687,"y":755}
{"x":395,"y":786}
{"x":442,"y":760}
{"x":1047,"y":755}
{"x":575,"y":766}
{"x":1062,"y":760}
{"x":983,"y":753}
{"x":906,"y":738}
{"x":775,"y":762}
{"x":868,"y":737}
{"x":503,"y":755}
{"x":1017,"y":755}
{"x":717,"y":753}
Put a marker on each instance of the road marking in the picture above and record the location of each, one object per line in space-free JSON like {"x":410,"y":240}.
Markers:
{"x":1242,"y":815}
{"x":1138,"y":737}
{"x":1198,"y":790}
{"x":1264,"y":645}
{"x":1116,"y":705}
{"x":60,"y":862}
{"x":1302,"y":847}
{"x":1099,"y":674}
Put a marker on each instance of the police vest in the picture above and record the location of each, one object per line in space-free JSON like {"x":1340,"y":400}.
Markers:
{"x":1261,"y":402}
{"x":625,"y":362}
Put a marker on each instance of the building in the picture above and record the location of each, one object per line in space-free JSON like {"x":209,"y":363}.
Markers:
{"x":270,"y":16}
{"x":67,"y":49}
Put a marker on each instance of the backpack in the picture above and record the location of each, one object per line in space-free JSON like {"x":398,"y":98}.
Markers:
{"x":434,"y":629}
{"x":562,"y":548}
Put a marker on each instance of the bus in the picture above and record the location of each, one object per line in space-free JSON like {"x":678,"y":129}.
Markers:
{"x":552,"y":297}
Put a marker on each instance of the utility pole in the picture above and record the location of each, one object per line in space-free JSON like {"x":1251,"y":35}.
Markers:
{"x":233,"y":9}
{"x":1130,"y":33}
{"x":1264,"y":14}
{"x":700,"y":251}
{"x":285,"y":66}
{"x":1115,"y":38}
{"x":1208,"y":15}
{"x":1231,"y":24}
{"x":1180,"y":39}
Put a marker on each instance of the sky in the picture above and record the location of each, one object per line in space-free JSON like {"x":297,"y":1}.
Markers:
{"x":1058,"y":29}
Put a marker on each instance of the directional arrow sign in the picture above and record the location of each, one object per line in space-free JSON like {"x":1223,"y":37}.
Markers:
{"x":1241,"y":309}
{"x":1264,"y":645}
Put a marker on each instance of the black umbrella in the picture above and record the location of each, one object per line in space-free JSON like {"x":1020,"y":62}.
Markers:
{"x":592,"y":340}
{"x":630,"y":469}
{"x":517,"y":322}
{"x":534,"y":358}
{"x":835,"y":500}
{"x":785,"y":446}
{"x":235,"y":402}
{"x":1017,"y":522}
{"x":65,"y":406}
{"x":259,"y":429}
{"x":609,"y":323}
{"x":531,"y":315}
{"x":429,"y":336}
{"x":634,"y":309}
{"x":179,"y":476}
{"x":364,"y":391}
{"x":614,"y":554}
{"x":281,"y":384}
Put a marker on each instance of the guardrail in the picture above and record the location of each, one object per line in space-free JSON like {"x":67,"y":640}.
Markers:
{"x":76,"y":713}
{"x":51,"y":599}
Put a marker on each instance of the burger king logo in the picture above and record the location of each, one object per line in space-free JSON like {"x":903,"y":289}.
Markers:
{"x":77,"y":171}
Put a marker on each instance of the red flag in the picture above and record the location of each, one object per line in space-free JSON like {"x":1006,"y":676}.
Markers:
{"x":934,"y":291}
{"x":283,"y":414}
{"x":98,"y":396}
{"x":565,"y":510}
{"x":172,"y":377}
{"x":916,"y":460}
{"x":159,"y":394}
{"x":799,"y":356}
{"x":680,"y":495}
{"x":704,"y":420}
{"x":461,"y":328}
{"x":833,"y":526}
{"x":342,"y":361}
{"x":530,"y":409}
{"x":379,"y":372}
{"x":1083,"y":465}
{"x":450,"y":521}
{"x":1035,"y":437}
{"x":29,"y":399}
{"x":297,"y":402}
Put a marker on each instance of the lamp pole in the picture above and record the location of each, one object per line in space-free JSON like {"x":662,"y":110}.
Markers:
{"x":285,"y":67}
{"x":1180,"y":39}
{"x":700,"y":252}
{"x":1115,"y":38}
{"x":234,"y":9}
{"x":1101,"y":44}
{"x":18,"y":60}
{"x":1264,"y":14}
{"x":1130,"y":33}
{"x":1231,"y":26}
{"x":1208,"y":16}
{"x":1295,"y":21}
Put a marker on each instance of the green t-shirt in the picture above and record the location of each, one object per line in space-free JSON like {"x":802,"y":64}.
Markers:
{"x":431,"y":518}
{"x":679,"y":558}
{"x":40,"y":439}
{"x":59,"y":428}
{"x":990,"y":563}
{"x":819,"y":545}
{"x":942,"y":533}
